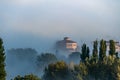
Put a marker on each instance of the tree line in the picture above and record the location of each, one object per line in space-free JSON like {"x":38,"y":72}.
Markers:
{"x":98,"y":66}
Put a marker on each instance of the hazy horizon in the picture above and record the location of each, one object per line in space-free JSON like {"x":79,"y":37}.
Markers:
{"x":40,"y":23}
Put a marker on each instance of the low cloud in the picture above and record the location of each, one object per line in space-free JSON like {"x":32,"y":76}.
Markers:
{"x":51,"y":18}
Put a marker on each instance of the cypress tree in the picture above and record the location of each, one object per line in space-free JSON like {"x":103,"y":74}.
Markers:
{"x":95,"y":50}
{"x":85,"y":52}
{"x":112,"y":48}
{"x":2,"y":61}
{"x":102,"y":50}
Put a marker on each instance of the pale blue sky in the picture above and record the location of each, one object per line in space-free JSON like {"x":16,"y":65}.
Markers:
{"x":30,"y":23}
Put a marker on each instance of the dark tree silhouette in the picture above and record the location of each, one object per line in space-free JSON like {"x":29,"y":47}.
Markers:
{"x":2,"y":61}
{"x":112,"y":48}
{"x":27,"y":77}
{"x":95,"y":51}
{"x":102,"y":50}
{"x":85,"y":52}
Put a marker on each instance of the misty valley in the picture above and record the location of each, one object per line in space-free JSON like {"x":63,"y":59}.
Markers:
{"x":59,"y":39}
{"x":100,"y":63}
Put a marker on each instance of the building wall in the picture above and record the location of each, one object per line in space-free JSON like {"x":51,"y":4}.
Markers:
{"x":71,"y":46}
{"x":66,"y":45}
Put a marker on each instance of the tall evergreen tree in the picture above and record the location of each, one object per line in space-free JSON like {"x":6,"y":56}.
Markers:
{"x":102,"y":50}
{"x":85,"y":52}
{"x":112,"y":48}
{"x":2,"y":61}
{"x":95,"y":50}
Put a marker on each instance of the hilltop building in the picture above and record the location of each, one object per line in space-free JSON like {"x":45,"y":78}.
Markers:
{"x":66,"y":45}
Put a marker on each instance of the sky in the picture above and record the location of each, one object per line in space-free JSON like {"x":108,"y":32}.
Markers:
{"x":39,"y":23}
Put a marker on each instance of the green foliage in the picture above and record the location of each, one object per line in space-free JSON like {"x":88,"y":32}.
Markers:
{"x":85,"y":52}
{"x":2,"y":61}
{"x":104,"y":68}
{"x":93,"y":70}
{"x":115,"y":71}
{"x":102,"y":50}
{"x":112,"y":48}
{"x":95,"y":51}
{"x":62,"y":71}
{"x":90,"y":68}
{"x":109,"y":69}
{"x":57,"y":71}
{"x":27,"y":77}
{"x":81,"y":70}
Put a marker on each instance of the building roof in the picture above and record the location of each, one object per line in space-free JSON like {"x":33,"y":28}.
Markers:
{"x":67,"y":40}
